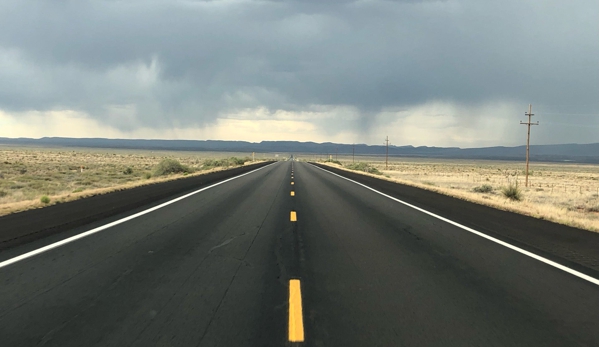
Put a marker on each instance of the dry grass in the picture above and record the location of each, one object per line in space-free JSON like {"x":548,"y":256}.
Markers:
{"x":29,"y":174}
{"x":563,"y":193}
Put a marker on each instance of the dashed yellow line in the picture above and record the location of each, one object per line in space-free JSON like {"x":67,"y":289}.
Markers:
{"x":293,"y":216}
{"x":291,"y":183}
{"x":292,"y":193}
{"x":296,"y":319}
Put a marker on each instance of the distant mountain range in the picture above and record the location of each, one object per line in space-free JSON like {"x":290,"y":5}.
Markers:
{"x":580,"y":153}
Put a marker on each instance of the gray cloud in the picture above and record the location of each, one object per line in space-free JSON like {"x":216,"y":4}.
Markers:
{"x":187,"y":62}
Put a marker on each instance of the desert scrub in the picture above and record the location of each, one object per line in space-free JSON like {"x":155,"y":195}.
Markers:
{"x":512,"y":192}
{"x":45,"y":199}
{"x":593,"y":208}
{"x":214,"y":163}
{"x":485,"y":188}
{"x":364,"y":167}
{"x":170,"y":166}
{"x":29,"y":173}
{"x":239,"y":161}
{"x":333,"y":161}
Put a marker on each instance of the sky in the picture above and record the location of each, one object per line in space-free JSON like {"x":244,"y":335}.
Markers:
{"x":423,"y":72}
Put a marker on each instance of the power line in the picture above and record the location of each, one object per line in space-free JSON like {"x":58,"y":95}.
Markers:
{"x":572,"y":125}
{"x":569,"y":114}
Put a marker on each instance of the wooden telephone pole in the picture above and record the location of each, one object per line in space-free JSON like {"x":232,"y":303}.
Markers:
{"x":529,"y":123}
{"x":387,"y":153}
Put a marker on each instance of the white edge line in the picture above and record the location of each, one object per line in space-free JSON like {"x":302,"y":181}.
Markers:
{"x":505,"y":244}
{"x":117,"y":222}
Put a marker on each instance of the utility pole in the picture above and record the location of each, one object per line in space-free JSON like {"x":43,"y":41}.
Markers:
{"x":529,"y":123}
{"x":353,"y":153}
{"x":387,"y":153}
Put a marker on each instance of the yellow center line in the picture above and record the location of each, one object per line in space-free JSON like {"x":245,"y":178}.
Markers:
{"x":292,"y":193}
{"x":291,"y":183}
{"x":293,"y":216}
{"x":296,"y":320}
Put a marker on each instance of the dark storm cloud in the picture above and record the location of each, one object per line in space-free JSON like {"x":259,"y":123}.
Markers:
{"x":185,"y":62}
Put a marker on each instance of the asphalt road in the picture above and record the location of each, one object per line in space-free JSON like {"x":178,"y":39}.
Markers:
{"x":229,"y":266}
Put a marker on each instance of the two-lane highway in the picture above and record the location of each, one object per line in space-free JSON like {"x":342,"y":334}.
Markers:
{"x":288,"y":254}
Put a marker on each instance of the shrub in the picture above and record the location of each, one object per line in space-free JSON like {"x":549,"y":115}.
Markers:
{"x":147,"y":175}
{"x":3,"y":193}
{"x":238,"y":161}
{"x":128,"y":171}
{"x":212,"y":163}
{"x":364,"y":167}
{"x":78,"y":190}
{"x":374,"y":171}
{"x":358,"y":166}
{"x":233,"y":161}
{"x":333,"y":161}
{"x":169,"y":166}
{"x":45,"y":199}
{"x":485,"y":188}
{"x":512,"y":192}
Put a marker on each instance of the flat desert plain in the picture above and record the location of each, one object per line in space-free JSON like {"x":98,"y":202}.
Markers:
{"x":37,"y":177}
